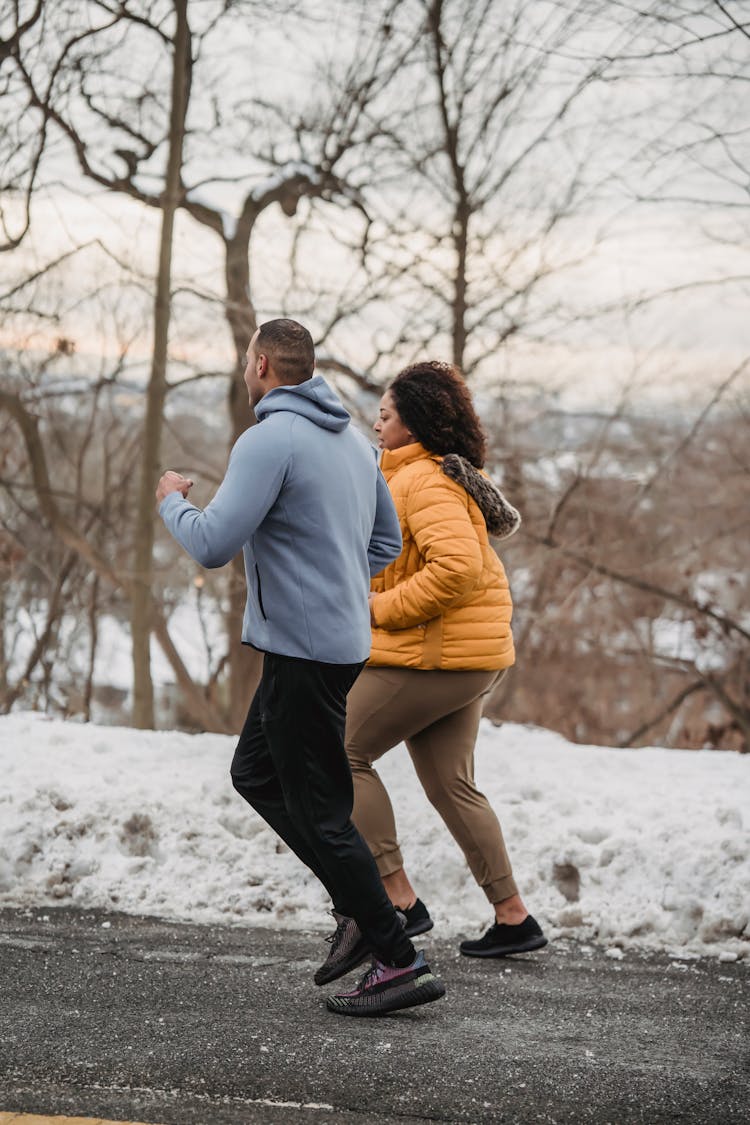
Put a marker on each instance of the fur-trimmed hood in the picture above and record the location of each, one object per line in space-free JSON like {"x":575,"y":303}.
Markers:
{"x":501,"y":518}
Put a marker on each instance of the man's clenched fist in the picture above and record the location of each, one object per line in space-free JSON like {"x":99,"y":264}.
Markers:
{"x":172,"y":482}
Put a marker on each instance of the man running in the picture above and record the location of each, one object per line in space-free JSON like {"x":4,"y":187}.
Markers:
{"x":305,"y":501}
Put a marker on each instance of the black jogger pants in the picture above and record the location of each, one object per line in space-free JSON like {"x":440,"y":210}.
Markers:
{"x":291,"y":766}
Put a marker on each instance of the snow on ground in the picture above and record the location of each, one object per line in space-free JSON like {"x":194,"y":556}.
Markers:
{"x":628,"y":848}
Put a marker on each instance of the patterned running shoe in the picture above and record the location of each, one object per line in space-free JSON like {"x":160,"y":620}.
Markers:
{"x":385,"y":988}
{"x":348,"y":949}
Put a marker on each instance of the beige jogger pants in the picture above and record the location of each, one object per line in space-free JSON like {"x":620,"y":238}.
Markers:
{"x":436,"y":713}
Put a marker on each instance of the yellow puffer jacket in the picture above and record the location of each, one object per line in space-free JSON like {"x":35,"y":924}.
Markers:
{"x":445,"y":601}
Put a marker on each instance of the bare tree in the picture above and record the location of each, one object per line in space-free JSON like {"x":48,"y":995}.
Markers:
{"x":629,"y":623}
{"x":68,"y":518}
{"x":143,"y":690}
{"x":21,"y":145}
{"x":473,"y":225}
{"x":110,"y":122}
{"x":455,"y":163}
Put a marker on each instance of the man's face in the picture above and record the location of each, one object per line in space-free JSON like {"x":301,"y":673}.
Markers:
{"x":254,"y":367}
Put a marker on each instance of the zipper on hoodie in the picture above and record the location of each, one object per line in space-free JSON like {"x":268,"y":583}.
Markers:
{"x":260,"y":595}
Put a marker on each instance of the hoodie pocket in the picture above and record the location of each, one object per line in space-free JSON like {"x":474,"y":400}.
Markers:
{"x":260,"y":593}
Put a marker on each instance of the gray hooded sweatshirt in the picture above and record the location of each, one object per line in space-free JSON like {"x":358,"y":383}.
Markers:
{"x":305,"y":500}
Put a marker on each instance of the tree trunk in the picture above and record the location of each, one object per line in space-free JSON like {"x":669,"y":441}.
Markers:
{"x":244,"y":662}
{"x":143,"y":691}
{"x":461,"y":243}
{"x":93,"y":622}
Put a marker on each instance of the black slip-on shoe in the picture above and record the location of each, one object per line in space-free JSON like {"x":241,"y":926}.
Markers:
{"x":501,"y":940}
{"x":417,"y":917}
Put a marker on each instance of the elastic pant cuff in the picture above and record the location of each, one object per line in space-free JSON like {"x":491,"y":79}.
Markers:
{"x":501,"y":889}
{"x":389,"y":862}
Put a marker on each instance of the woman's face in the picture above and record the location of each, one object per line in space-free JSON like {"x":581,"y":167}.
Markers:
{"x":391,"y":431}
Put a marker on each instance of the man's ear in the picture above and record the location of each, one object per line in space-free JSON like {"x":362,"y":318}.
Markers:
{"x":261,"y":367}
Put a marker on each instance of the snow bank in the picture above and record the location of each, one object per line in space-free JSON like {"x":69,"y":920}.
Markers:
{"x":630,"y":848}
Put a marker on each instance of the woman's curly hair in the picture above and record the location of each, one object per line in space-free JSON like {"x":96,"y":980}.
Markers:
{"x":433,"y":402}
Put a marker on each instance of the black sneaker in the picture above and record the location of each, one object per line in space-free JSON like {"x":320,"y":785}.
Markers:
{"x":385,"y":988}
{"x":501,"y":940}
{"x":348,"y":949}
{"x":417,"y":917}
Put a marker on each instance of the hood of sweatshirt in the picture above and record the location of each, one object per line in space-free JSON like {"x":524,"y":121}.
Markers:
{"x":313,"y":399}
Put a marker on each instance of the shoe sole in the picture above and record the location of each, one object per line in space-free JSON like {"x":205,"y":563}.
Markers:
{"x":506,"y":950}
{"x":418,"y":928}
{"x":424,"y":993}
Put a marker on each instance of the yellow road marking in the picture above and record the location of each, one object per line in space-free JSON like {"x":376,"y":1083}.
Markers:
{"x":33,"y":1119}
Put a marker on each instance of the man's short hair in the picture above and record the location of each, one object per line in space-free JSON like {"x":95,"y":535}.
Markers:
{"x":290,"y":348}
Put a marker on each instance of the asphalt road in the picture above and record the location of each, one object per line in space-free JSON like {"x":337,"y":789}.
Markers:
{"x":114,"y":1016}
